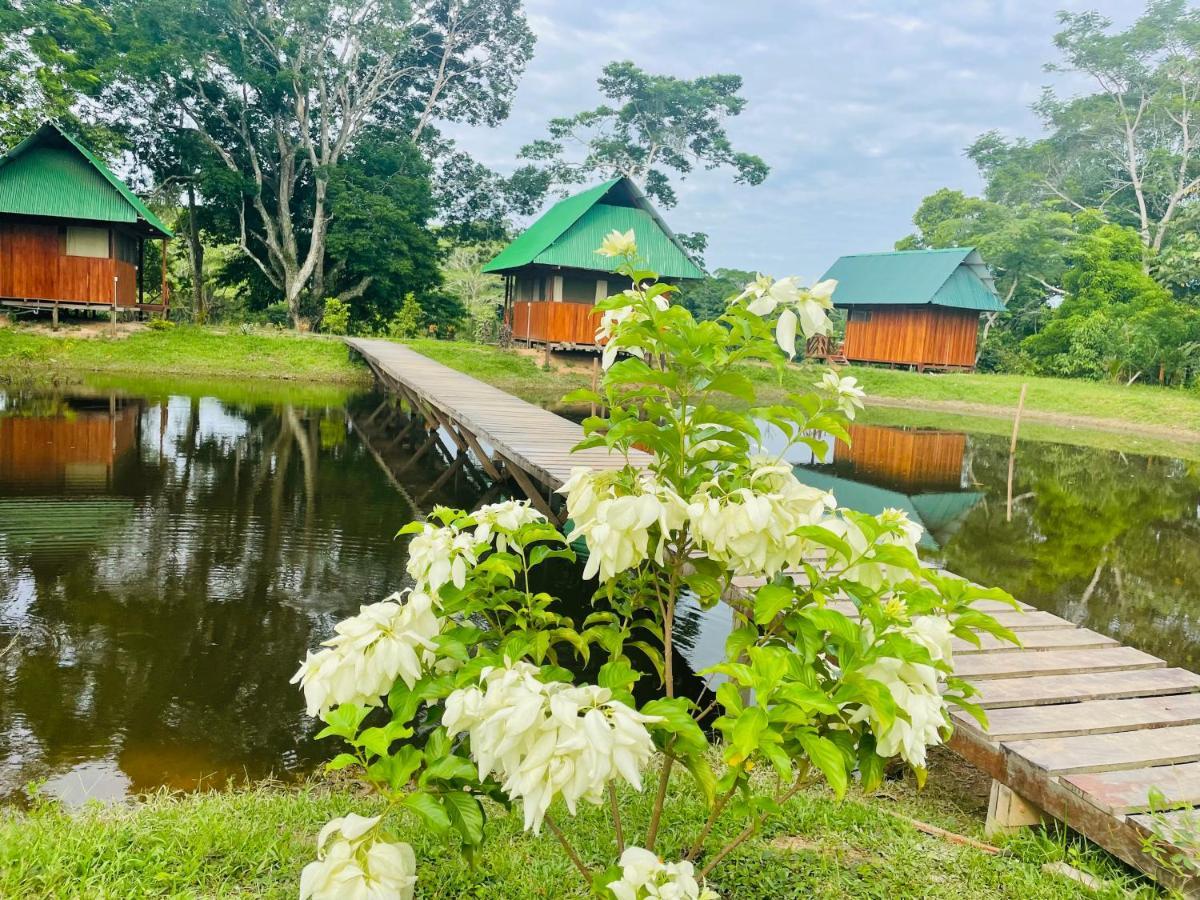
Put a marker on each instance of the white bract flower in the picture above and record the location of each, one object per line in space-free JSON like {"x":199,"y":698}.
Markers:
{"x":750,"y":528}
{"x":644,"y":875}
{"x":804,"y":309}
{"x":866,"y":569}
{"x":610,"y":319}
{"x":545,"y":741}
{"x":622,"y":528}
{"x":846,"y":392}
{"x":616,"y":243}
{"x":916,"y":690}
{"x":352,"y":862}
{"x":439,"y":555}
{"x":496,"y":522}
{"x":368,"y":652}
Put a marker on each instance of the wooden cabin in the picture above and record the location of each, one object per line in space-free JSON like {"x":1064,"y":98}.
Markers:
{"x":553,"y":276}
{"x":72,"y":235}
{"x":917,"y":308}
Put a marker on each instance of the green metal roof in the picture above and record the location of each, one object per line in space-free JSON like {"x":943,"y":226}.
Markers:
{"x":955,"y":277}
{"x":51,"y":174}
{"x":570,"y":232}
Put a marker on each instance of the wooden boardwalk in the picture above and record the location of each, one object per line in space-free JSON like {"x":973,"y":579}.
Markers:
{"x":1081,"y":728}
{"x":506,"y":435}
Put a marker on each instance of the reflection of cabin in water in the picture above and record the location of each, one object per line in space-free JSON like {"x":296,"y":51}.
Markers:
{"x":553,"y":276}
{"x":72,"y":235}
{"x":919,"y":471}
{"x":914,"y":308}
{"x":74,"y":447}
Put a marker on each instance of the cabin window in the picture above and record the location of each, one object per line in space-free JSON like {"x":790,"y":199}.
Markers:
{"x":531,"y":288}
{"x":860,"y":315}
{"x":577,"y":289}
{"x":91,"y":242}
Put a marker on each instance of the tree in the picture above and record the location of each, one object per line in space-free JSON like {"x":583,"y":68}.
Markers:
{"x":280,"y":93}
{"x":707,"y":299}
{"x":1132,"y":147}
{"x":480,"y":294}
{"x":652,"y":127}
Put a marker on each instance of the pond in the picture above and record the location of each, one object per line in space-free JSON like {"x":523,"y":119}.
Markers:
{"x":169,"y":552}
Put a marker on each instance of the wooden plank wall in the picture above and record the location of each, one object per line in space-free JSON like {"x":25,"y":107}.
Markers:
{"x":555,"y":323}
{"x":34,"y":267}
{"x":917,"y":460}
{"x":913,"y":335}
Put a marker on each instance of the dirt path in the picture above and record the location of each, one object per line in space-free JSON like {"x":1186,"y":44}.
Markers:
{"x":1118,"y":426}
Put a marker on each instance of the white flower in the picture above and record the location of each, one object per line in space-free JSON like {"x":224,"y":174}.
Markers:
{"x":495,"y":523}
{"x":916,"y":690}
{"x":863,"y":567}
{"x":644,"y":875}
{"x":438,"y":555}
{"x":804,"y":309}
{"x":546,"y":741}
{"x":369,"y":651}
{"x":847,"y":393}
{"x":617,"y":244}
{"x":353,"y":863}
{"x":750,"y":528}
{"x":622,"y":529}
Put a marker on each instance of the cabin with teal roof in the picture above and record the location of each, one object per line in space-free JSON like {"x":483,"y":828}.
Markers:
{"x":553,"y":276}
{"x":917,"y":308}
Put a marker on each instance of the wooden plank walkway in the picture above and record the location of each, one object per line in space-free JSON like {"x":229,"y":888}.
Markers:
{"x":1080,"y":726}
{"x":531,"y":441}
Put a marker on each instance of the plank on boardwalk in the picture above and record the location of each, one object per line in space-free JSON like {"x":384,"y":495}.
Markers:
{"x":1023,"y":663}
{"x":1110,"y":752}
{"x":1043,"y":689}
{"x":1048,"y":639}
{"x":1091,"y":717}
{"x":1129,"y":791}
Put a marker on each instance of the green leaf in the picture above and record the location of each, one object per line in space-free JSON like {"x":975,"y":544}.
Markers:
{"x":465,"y":815}
{"x":871,"y":765}
{"x":702,"y":773}
{"x":343,"y":721}
{"x":748,"y":729}
{"x":341,"y":761}
{"x":677,"y":720}
{"x":449,"y":768}
{"x":430,"y":811}
{"x":826,"y":756}
{"x":618,"y":676}
{"x":769,"y":601}
{"x":739,"y":639}
{"x":838,"y":624}
{"x":730,"y":698}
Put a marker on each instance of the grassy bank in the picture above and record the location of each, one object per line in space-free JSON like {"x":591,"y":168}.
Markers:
{"x":181,"y":351}
{"x":253,"y":843}
{"x":1168,"y":415}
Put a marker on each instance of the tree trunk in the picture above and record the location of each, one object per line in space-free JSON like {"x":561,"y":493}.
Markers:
{"x":196,"y":258}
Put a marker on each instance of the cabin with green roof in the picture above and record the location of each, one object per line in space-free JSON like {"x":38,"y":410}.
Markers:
{"x":72,"y":234}
{"x":553,"y":276}
{"x":917,"y":308}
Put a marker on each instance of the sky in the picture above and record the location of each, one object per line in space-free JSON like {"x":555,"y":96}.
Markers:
{"x":860,"y":107}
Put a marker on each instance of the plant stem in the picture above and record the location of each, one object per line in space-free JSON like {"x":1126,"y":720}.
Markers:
{"x":749,"y":831}
{"x":718,"y":807}
{"x":562,"y":839}
{"x":616,"y":815}
{"x":659,"y":799}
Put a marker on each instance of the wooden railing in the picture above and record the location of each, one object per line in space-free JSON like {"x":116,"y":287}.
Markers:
{"x":555,"y":323}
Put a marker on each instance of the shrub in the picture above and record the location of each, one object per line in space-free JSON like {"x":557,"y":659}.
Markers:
{"x":463,"y":675}
{"x":335,"y":316}
{"x":408,"y":321}
{"x":160,"y":324}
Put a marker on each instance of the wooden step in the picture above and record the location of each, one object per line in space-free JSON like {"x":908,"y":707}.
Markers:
{"x":1038,"y":690}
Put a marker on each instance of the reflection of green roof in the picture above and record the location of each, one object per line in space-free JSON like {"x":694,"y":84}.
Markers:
{"x":42,"y":523}
{"x":955,"y":277}
{"x":51,"y":174}
{"x":570,"y":232}
{"x":938,"y":514}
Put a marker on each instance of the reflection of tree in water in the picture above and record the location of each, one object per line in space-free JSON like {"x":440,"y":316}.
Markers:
{"x":251,"y":533}
{"x":1107,"y":540}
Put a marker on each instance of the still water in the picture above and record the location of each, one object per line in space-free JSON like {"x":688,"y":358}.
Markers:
{"x":166,"y":557}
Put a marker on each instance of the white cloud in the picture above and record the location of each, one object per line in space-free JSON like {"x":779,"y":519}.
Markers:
{"x":861,"y":107}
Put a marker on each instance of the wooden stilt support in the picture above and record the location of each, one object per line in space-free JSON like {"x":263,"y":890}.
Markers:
{"x":54,"y":318}
{"x":531,"y":490}
{"x":443,"y":478}
{"x":484,"y":460}
{"x":1008,"y":811}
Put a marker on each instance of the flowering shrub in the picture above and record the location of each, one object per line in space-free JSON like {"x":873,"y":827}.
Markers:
{"x":458,"y":691}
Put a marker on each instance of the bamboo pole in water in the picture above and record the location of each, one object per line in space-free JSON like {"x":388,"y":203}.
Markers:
{"x":1012,"y":453}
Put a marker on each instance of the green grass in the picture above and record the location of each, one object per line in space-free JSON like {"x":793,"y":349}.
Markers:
{"x":253,"y":842}
{"x":184,"y":350}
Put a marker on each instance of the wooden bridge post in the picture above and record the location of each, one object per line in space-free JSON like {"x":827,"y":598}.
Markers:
{"x":1008,"y":811}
